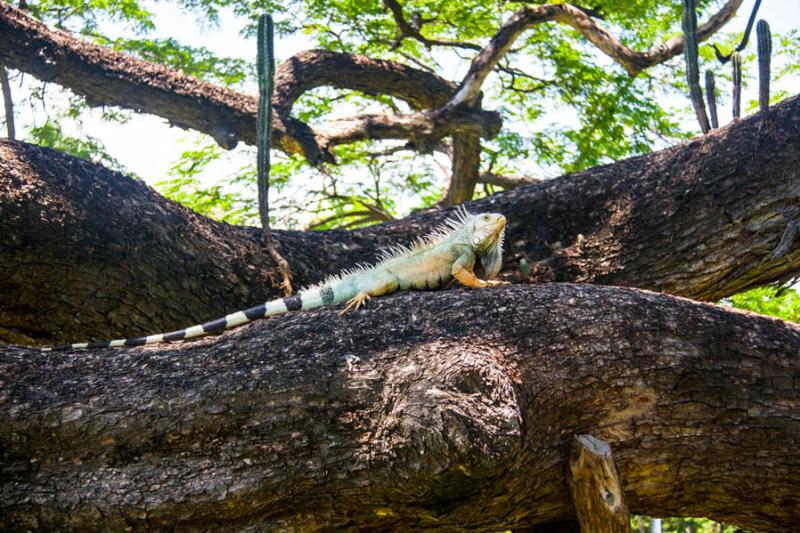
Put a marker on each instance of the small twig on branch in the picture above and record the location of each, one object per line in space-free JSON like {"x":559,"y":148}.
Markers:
{"x":266,"y":77}
{"x":321,"y":222}
{"x":413,"y":29}
{"x":371,"y":213}
{"x":377,"y":211}
{"x":540,"y":83}
{"x":417,"y":62}
{"x":746,"y":37}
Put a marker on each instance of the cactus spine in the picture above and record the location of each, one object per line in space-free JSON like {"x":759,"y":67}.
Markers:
{"x":764,"y":55}
{"x":692,"y":69}
{"x":736,"y":61}
{"x":711,"y":96}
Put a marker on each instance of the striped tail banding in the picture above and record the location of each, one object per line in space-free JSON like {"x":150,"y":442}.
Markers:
{"x":307,"y":299}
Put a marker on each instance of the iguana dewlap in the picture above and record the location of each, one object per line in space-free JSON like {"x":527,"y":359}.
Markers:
{"x":449,"y":252}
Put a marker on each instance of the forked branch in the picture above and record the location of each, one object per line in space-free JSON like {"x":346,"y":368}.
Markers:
{"x":633,"y":61}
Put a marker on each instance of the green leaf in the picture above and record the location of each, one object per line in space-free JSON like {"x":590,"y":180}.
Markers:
{"x":767,"y":301}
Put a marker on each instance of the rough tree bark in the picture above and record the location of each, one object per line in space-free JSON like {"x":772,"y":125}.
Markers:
{"x":460,"y":419}
{"x":88,"y":253}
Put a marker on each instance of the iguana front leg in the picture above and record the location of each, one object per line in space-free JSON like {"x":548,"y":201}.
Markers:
{"x":463,"y":271}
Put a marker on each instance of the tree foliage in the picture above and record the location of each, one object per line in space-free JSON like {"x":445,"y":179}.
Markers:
{"x":779,"y":302}
{"x":682,"y":525}
{"x":52,"y":135}
{"x":566,"y":106}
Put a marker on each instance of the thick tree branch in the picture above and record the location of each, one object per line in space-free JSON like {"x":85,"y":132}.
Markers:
{"x":107,"y":77}
{"x":465,"y":169}
{"x":421,"y":128}
{"x":507,"y":182}
{"x":85,"y":252}
{"x":316,"y":68}
{"x":633,"y":61}
{"x":460,"y":420}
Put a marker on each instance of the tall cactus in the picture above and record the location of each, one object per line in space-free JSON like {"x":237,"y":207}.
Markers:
{"x":692,"y":69}
{"x":736,"y":61}
{"x":265,"y":64}
{"x":764,"y":55}
{"x":711,"y":96}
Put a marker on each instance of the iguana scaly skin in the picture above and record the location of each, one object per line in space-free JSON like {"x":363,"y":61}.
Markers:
{"x":449,"y":252}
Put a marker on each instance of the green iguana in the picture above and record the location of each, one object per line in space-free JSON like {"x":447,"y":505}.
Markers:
{"x":449,"y":252}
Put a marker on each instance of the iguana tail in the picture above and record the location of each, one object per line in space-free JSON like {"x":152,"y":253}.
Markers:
{"x":328,"y":294}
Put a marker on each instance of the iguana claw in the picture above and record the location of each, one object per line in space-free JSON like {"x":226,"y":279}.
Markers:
{"x":356,"y":302}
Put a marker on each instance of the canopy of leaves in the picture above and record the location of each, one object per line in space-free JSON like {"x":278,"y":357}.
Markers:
{"x":565,"y":105}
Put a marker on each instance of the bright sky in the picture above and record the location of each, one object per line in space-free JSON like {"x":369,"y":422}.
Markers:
{"x":162,"y":144}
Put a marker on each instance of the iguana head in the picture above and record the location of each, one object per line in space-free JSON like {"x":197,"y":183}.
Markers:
{"x":487,"y":231}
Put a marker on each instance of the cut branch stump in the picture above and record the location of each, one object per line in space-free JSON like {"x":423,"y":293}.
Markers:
{"x":595,"y":487}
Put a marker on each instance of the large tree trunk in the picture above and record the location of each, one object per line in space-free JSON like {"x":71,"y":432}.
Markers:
{"x":461,"y":419}
{"x":88,"y":253}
